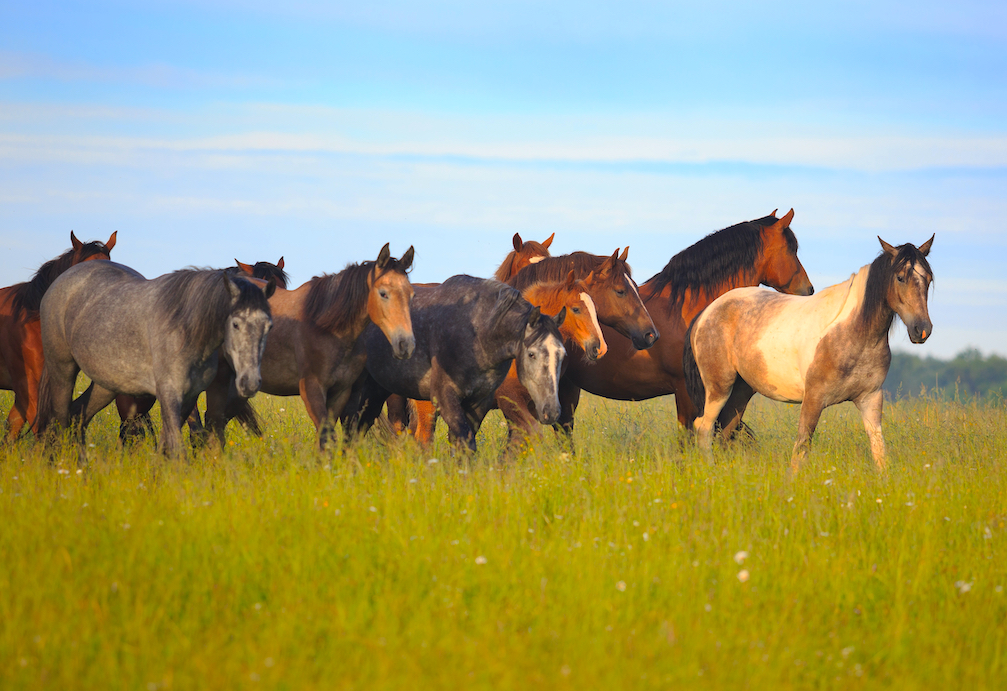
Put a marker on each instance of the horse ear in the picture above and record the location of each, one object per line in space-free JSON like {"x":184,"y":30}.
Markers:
{"x":774,"y":212}
{"x":606,"y":268}
{"x":111,"y":241}
{"x":561,"y":317}
{"x":625,"y":253}
{"x":518,"y":242}
{"x":925,"y":247}
{"x":383,"y":256}
{"x":570,"y":279}
{"x":407,"y":259}
{"x":232,"y":287}
{"x":279,"y":264}
{"x":247,"y":268}
{"x":548,"y":241}
{"x":888,"y":248}
{"x":77,"y":244}
{"x":786,"y":220}
{"x":270,"y":288}
{"x":533,"y":316}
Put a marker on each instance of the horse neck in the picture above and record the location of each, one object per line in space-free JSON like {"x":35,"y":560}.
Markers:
{"x":875,"y":327}
{"x":506,"y":270}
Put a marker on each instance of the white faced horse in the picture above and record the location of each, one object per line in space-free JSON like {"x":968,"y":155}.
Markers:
{"x":817,"y":351}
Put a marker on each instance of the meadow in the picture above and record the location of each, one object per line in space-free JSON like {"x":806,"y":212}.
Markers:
{"x":629,"y":563}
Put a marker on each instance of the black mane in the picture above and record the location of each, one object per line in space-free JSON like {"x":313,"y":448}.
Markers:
{"x":556,"y":269}
{"x":198,"y":301}
{"x":713,"y":261}
{"x":27,"y":297}
{"x":879,"y":277}
{"x":264,"y":271}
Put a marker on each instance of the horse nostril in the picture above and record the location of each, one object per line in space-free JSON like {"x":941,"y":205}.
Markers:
{"x":811,"y":290}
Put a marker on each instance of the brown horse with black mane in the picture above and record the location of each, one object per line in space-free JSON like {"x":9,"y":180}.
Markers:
{"x":315,"y":349}
{"x":759,"y":252}
{"x":21,"y":357}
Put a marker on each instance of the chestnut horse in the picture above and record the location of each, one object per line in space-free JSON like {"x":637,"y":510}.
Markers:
{"x":315,"y":349}
{"x":134,"y":411}
{"x":580,"y":328}
{"x":763,"y":251}
{"x":817,"y":351}
{"x":524,"y":253}
{"x":21,"y":333}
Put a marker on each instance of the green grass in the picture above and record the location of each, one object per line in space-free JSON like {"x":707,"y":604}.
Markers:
{"x":271,"y":566}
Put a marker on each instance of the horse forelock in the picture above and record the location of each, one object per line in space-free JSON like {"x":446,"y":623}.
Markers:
{"x":266,"y":271}
{"x":198,"y":302}
{"x":26,"y":297}
{"x":714,"y":262}
{"x":882,"y":272}
{"x":556,"y":269}
{"x":336,"y":301}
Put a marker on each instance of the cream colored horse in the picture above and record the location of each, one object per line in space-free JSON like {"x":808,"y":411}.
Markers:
{"x":817,"y":351}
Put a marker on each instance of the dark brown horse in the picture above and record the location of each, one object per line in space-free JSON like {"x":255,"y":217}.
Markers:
{"x":21,"y":335}
{"x":134,"y":411}
{"x":315,"y":348}
{"x":579,"y":328}
{"x":763,"y":252}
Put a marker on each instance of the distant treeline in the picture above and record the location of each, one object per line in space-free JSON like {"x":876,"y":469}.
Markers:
{"x":972,"y":373}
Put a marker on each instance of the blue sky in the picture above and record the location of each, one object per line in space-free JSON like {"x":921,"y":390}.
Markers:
{"x":318,"y":131}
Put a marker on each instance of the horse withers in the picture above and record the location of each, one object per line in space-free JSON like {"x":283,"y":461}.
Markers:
{"x":157,"y":337}
{"x":468,"y":332}
{"x":21,"y":335}
{"x":817,"y":351}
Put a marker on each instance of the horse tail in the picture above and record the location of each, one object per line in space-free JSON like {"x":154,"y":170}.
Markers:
{"x":693,"y":381}
{"x":249,"y":419}
{"x":44,"y":408}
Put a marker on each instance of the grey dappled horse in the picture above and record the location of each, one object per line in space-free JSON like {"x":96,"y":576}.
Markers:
{"x":159,"y":337}
{"x":468,"y":332}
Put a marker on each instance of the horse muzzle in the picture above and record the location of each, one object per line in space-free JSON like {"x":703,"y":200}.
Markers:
{"x":645,"y":340}
{"x":248,"y":385}
{"x":403,"y":346}
{"x":595,"y":349}
{"x":548,"y":414}
{"x":919,"y":332}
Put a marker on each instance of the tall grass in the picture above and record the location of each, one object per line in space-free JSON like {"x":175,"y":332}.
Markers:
{"x":622,"y":564}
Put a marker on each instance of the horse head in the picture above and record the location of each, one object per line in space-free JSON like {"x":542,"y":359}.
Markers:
{"x":539,"y":360}
{"x":908,"y":286}
{"x":524,"y":253}
{"x":580,"y":327}
{"x":245,"y":332}
{"x":618,"y":301}
{"x":86,"y":251}
{"x":779,"y":266}
{"x":388,"y":300}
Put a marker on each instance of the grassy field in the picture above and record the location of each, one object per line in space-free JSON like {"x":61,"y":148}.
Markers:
{"x":633,"y":563}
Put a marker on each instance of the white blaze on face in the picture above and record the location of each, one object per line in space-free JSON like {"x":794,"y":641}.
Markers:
{"x":632,"y":286}
{"x":535,"y":260}
{"x":594,"y":321}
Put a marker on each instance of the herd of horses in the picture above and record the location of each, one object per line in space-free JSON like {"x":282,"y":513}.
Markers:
{"x":528,"y":341}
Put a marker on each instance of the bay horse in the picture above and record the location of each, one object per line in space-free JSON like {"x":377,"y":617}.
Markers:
{"x":817,"y":351}
{"x":159,"y":337}
{"x":21,"y":334}
{"x":315,"y":349}
{"x":763,"y":251}
{"x":579,"y":328}
{"x":469,"y":332}
{"x":134,"y":411}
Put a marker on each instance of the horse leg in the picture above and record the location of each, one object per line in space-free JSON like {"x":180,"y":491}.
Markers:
{"x":521,"y":424}
{"x":398,"y":414}
{"x":171,"y":421}
{"x":730,"y":416}
{"x":685,"y":409}
{"x":314,"y":397}
{"x":870,"y":406}
{"x":811,"y":412}
{"x":362,"y":408}
{"x":25,"y":406}
{"x":90,"y":403}
{"x":569,"y":399}
{"x":460,"y":431}
{"x":423,"y":421}
{"x":335,"y":404}
{"x":197,"y":433}
{"x":134,"y":416}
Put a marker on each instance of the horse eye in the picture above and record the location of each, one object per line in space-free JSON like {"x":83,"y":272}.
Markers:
{"x":531,"y":355}
{"x":234,"y":324}
{"x":621,"y":293}
{"x":575,"y":310}
{"x":902,"y":279}
{"x":383,"y":294}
